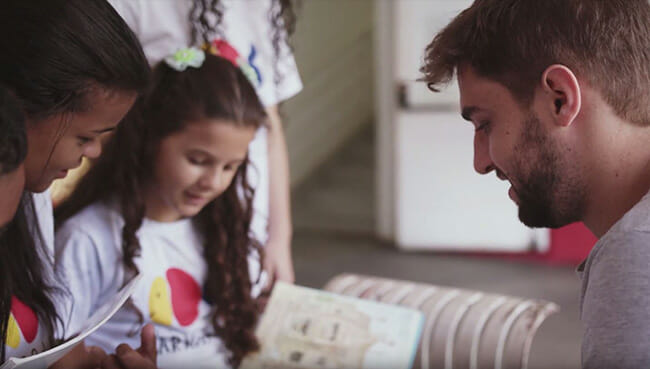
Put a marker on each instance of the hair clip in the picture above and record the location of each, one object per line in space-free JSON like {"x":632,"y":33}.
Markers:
{"x":186,"y":57}
{"x":223,"y":49}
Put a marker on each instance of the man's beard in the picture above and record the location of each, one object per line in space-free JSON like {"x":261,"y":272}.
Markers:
{"x":549,"y":190}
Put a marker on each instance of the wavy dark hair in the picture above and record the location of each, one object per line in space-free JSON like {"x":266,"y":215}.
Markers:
{"x":605,"y":42}
{"x":217,"y":90}
{"x":13,"y":140}
{"x":21,"y":275}
{"x":206,"y":17}
{"x":55,"y":50}
{"x":53,"y":53}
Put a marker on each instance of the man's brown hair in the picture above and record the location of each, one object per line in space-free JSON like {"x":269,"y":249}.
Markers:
{"x":604,"y":42}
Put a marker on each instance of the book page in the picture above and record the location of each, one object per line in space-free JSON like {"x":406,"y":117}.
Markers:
{"x":101,"y":316}
{"x":309,"y":328}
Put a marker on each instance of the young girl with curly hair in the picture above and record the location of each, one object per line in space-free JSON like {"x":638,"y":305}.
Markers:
{"x":170,"y":200}
{"x":256,"y":34}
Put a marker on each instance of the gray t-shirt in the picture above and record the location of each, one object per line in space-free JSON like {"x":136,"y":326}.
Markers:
{"x":615,"y":299}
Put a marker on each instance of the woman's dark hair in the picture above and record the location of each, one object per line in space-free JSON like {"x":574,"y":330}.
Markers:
{"x":24,"y":268}
{"x":13,"y":140}
{"x":54,"y":54}
{"x":217,"y":90}
{"x":206,"y":17}
{"x":55,"y":51}
{"x":21,"y":271}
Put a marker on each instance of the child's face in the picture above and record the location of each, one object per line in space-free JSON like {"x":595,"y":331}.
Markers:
{"x":11,"y":187}
{"x":194,"y":166}
{"x":54,"y":146}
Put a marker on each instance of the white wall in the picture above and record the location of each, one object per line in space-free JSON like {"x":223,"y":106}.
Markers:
{"x":333,"y":49}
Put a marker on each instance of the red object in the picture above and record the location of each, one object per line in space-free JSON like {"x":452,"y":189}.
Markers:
{"x":225,"y":50}
{"x":571,"y":244}
{"x":185,"y":296}
{"x":25,"y":318}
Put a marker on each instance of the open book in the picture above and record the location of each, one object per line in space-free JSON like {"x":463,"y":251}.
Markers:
{"x":308,"y":328}
{"x":101,"y":316}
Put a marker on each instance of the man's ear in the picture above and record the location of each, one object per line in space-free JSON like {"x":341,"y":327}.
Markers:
{"x":561,"y":94}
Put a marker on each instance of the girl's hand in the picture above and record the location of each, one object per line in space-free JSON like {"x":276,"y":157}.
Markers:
{"x":127,"y":358}
{"x":278,"y":263}
{"x":81,"y":357}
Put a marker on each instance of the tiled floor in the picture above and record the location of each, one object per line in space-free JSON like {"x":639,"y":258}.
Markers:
{"x":333,"y":220}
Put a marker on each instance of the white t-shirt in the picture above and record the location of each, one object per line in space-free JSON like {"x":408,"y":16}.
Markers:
{"x":25,"y":335}
{"x":163,"y":26}
{"x":89,"y":254}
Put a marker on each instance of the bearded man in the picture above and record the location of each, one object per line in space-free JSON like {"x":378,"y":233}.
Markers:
{"x":559,"y":94}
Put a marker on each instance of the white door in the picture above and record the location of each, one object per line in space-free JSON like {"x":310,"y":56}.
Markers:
{"x":437,"y":201}
{"x":441,"y":202}
{"x":416,"y":22}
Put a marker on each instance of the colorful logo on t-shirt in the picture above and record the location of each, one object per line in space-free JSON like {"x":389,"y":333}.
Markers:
{"x":178,"y":295}
{"x":247,"y":65}
{"x":251,"y":63}
{"x":22,"y":321}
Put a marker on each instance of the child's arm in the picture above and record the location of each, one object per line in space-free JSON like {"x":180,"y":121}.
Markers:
{"x":278,"y":263}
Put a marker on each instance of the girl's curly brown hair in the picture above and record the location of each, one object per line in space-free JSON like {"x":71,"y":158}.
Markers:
{"x":217,"y":90}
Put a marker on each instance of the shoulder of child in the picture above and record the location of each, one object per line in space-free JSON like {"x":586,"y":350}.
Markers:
{"x":91,"y":232}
